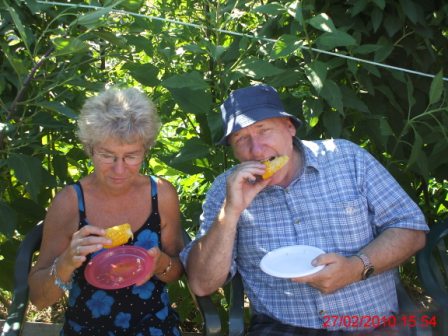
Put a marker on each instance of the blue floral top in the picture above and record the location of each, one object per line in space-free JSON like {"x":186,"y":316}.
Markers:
{"x":134,"y":310}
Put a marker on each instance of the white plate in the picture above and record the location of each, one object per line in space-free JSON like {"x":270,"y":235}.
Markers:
{"x":291,"y":261}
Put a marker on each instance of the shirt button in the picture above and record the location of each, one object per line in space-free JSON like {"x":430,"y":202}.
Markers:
{"x":350,"y":210}
{"x":297,"y":221}
{"x":322,"y":312}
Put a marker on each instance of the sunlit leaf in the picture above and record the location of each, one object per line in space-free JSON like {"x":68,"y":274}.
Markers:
{"x":285,"y":46}
{"x":316,"y":73}
{"x":68,"y":46}
{"x":322,"y":22}
{"x":18,"y":23}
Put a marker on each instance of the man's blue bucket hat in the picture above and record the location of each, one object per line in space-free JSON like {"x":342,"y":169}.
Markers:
{"x":246,"y":106}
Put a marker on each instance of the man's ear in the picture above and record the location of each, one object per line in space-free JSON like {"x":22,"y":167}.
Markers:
{"x":291,"y":128}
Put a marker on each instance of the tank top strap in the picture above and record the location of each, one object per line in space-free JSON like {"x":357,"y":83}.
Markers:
{"x":155,"y":206}
{"x":81,"y":203}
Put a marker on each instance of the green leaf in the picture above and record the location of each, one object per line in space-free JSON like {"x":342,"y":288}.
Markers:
{"x":191,"y":80}
{"x":192,"y":101}
{"x":273,"y":9}
{"x":29,"y":210}
{"x":216,"y":51}
{"x":28,"y":171}
{"x":328,"y":41}
{"x":258,"y":69}
{"x":132,"y":5}
{"x":285,"y":46}
{"x":410,"y":94}
{"x":69,"y":46}
{"x":385,"y":129}
{"x":392,"y":24}
{"x":8,"y":219}
{"x":366,"y":49}
{"x":377,"y":18}
{"x":93,"y":20}
{"x":312,"y":109}
{"x":316,"y":73}
{"x":412,"y":10}
{"x":358,"y":7}
{"x":418,"y":158}
{"x":59,"y":108}
{"x":381,"y":4}
{"x":296,"y":11}
{"x":384,"y":51}
{"x":141,"y":43}
{"x":322,"y":22}
{"x":436,"y":90}
{"x":18,"y":23}
{"x":144,"y":73}
{"x":194,"y":149}
{"x":351,"y":100}
{"x":60,"y":166}
{"x":333,"y":124}
{"x":47,"y":120}
{"x":112,"y":38}
{"x":332,"y":94}
{"x":291,"y":78}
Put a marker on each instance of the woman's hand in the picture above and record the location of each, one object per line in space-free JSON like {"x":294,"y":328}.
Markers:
{"x":88,"y":239}
{"x":159,"y":263}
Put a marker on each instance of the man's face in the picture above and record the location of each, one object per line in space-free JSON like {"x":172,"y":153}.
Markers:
{"x":263,"y":140}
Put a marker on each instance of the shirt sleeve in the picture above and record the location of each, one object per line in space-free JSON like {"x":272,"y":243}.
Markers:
{"x":389,"y":204}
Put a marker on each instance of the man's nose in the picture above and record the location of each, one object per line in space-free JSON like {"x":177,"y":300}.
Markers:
{"x":256,"y":148}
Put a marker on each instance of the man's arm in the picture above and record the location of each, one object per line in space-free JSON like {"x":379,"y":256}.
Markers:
{"x":390,"y":249}
{"x":210,"y":258}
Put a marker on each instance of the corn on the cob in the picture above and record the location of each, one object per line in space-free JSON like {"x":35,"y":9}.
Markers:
{"x":274,"y":165}
{"x":119,"y":234}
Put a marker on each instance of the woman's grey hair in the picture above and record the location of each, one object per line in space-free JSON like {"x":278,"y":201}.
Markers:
{"x":123,"y":114}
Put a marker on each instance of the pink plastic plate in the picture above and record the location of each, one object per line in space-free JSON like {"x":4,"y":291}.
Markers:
{"x":119,"y":267}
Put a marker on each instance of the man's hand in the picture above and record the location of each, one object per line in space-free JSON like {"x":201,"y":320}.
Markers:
{"x":244,"y":184}
{"x":339,"y":271}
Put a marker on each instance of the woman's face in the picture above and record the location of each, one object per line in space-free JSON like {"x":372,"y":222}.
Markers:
{"x":117,"y":163}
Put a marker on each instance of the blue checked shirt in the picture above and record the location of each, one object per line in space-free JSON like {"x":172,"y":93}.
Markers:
{"x":343,"y":199}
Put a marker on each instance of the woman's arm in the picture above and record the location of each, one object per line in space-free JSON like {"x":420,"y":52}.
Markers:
{"x":168,"y":266}
{"x":63,"y":247}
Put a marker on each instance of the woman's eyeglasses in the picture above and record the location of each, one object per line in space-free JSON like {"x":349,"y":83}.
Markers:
{"x":130,"y":160}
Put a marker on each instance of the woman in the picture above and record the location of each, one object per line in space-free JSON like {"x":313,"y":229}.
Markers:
{"x":116,"y":128}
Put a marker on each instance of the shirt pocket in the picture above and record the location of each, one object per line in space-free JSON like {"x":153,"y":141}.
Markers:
{"x":344,"y":226}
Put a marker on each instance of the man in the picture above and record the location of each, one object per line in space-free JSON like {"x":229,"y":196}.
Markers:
{"x":331,"y":194}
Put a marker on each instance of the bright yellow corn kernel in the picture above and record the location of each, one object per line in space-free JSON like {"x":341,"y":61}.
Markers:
{"x":119,"y":234}
{"x":274,"y":165}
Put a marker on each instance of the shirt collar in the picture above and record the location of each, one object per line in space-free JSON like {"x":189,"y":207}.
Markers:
{"x":308,"y":151}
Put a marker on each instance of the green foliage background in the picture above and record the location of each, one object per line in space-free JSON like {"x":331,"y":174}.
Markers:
{"x":54,"y":55}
